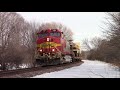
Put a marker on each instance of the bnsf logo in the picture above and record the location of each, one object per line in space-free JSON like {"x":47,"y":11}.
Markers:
{"x":48,"y":44}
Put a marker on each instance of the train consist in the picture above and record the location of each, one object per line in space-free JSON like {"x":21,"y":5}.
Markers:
{"x":53,"y":48}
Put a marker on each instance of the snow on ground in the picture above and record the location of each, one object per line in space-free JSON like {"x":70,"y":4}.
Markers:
{"x":89,"y":69}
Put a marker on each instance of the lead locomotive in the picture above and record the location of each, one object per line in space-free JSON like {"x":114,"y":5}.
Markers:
{"x":53,"y":48}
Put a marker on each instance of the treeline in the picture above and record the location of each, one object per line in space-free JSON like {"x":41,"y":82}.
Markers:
{"x":18,"y":40}
{"x":107,"y":49}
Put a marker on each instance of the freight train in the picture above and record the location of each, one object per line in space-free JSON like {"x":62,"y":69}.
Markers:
{"x":53,"y":48}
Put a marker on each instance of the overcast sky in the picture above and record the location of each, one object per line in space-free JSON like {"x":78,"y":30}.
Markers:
{"x":83,"y":24}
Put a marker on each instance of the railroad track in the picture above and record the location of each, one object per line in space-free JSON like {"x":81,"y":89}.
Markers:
{"x":18,"y":71}
{"x":26,"y":70}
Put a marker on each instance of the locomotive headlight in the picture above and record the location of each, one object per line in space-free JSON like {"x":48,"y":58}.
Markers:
{"x":53,"y":50}
{"x":40,"y":50}
{"x":48,"y":39}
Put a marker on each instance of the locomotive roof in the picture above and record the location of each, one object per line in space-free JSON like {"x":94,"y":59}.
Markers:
{"x":50,"y":30}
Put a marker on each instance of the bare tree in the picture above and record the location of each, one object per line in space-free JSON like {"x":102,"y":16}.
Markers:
{"x":53,"y":25}
{"x":87,"y":45}
{"x":14,"y":38}
{"x":107,"y":49}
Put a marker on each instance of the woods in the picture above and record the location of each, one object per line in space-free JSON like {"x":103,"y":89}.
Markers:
{"x":107,"y":49}
{"x":16,"y":43}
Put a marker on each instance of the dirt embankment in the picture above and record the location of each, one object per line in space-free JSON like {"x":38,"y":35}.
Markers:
{"x":47,"y":70}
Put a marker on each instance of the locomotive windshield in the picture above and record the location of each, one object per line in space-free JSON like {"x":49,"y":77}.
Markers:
{"x":42,"y":35}
{"x":55,"y":34}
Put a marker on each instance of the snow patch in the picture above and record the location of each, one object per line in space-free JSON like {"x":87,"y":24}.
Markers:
{"x":89,"y":69}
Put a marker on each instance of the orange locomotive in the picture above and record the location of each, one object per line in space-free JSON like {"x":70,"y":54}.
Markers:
{"x":53,"y":48}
